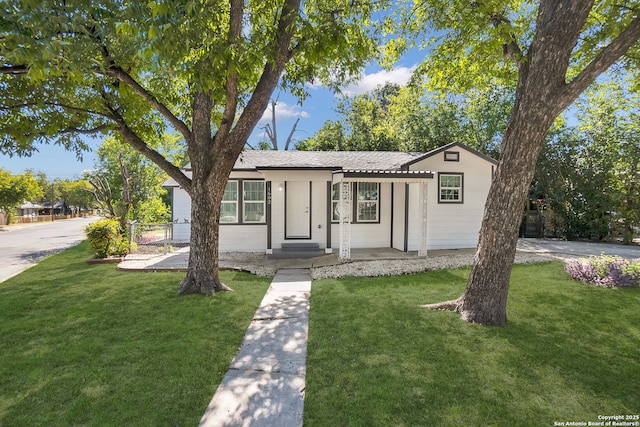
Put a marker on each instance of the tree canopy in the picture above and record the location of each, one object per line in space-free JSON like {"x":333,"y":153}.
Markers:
{"x":412,"y":118}
{"x":588,"y":171}
{"x":201,"y":69}
{"x":16,"y":189}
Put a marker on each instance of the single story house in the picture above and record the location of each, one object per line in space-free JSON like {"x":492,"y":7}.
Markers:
{"x":29,"y":209}
{"x":337,"y":201}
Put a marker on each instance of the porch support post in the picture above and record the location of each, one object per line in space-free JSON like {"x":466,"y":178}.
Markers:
{"x":345,"y":221}
{"x":422,"y":251}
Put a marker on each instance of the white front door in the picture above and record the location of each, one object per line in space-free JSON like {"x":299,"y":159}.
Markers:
{"x":298,"y":210}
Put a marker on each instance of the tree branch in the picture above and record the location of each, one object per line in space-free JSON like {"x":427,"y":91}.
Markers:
{"x":607,"y":57}
{"x":102,"y":194}
{"x":231,"y":86}
{"x":118,"y":73}
{"x":115,"y":71}
{"x":273,"y":135}
{"x":72,"y":129}
{"x":510,"y":48}
{"x":270,"y":74}
{"x":55,"y":104}
{"x":137,"y":143}
{"x":293,"y":129}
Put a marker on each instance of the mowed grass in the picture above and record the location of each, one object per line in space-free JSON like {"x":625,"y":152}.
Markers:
{"x":89,"y":345}
{"x":570,"y":352}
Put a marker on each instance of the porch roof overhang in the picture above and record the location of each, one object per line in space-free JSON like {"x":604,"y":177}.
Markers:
{"x":380,"y":175}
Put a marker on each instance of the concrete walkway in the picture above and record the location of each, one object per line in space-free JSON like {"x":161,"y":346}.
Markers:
{"x":266,"y":380}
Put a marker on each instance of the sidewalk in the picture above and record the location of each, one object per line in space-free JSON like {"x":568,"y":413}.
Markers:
{"x":266,"y":380}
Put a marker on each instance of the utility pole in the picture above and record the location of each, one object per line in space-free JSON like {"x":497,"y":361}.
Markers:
{"x":53,"y":201}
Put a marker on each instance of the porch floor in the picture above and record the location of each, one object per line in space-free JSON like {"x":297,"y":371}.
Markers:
{"x":177,"y":261}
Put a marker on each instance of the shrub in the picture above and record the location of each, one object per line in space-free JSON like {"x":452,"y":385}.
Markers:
{"x":107,"y":238}
{"x":605,"y":271}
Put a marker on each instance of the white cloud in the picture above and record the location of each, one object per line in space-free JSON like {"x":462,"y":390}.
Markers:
{"x":283,"y":111}
{"x":368,"y":82}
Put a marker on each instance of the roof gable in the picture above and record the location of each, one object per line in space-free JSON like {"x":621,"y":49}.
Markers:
{"x":449,"y":147}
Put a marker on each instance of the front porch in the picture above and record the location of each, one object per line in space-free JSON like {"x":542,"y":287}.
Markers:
{"x":401,"y":225}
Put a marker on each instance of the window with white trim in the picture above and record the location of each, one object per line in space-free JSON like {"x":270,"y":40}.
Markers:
{"x":253,"y":201}
{"x":335,"y":202}
{"x":367,"y":201}
{"x":450,"y":188}
{"x":229,"y":205}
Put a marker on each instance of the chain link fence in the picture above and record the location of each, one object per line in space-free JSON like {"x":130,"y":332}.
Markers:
{"x":151,"y":238}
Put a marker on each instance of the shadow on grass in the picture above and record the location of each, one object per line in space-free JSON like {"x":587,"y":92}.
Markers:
{"x":89,"y":345}
{"x":569,"y":353}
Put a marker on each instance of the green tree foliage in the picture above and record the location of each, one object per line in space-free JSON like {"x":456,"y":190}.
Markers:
{"x":127,"y":185}
{"x":15,"y":190}
{"x":76,"y":194}
{"x":588,"y":173}
{"x":411,"y":118}
{"x":202,"y":69}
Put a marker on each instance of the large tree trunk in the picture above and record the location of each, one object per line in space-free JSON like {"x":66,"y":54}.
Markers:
{"x":213,"y":158}
{"x":202,"y":273}
{"x":210,"y":172}
{"x":541,"y":95}
{"x":485,"y":298}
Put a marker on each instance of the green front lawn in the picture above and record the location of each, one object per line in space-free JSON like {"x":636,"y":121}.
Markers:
{"x":89,"y":345}
{"x":570,"y":352}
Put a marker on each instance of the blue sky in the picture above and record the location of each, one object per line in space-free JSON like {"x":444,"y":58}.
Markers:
{"x":55,"y":162}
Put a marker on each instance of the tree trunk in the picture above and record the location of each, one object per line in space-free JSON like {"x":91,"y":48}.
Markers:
{"x":209,"y":177}
{"x":202,"y":273}
{"x":541,"y":95}
{"x":485,"y":298}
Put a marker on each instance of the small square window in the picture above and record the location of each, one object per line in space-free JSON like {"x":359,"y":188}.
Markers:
{"x":450,"y":188}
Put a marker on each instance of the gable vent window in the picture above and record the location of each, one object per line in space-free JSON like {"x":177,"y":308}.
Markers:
{"x":450,"y":188}
{"x":451,"y":156}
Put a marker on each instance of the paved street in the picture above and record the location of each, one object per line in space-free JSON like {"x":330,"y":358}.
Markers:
{"x":567,"y":250}
{"x":23,"y":245}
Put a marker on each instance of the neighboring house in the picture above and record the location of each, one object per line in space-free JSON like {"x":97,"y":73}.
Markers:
{"x":29,"y":209}
{"x":351,"y":199}
{"x":59,"y":208}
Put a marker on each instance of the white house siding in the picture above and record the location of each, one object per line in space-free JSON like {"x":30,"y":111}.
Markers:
{"x":452,"y":225}
{"x":449,"y":225}
{"x":243,"y":238}
{"x":370,"y":235}
{"x":181,"y":214}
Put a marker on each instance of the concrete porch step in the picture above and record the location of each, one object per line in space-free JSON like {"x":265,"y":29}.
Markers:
{"x":300,"y":246}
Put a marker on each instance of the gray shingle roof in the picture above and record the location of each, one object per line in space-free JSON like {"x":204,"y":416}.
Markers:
{"x":370,"y":160}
